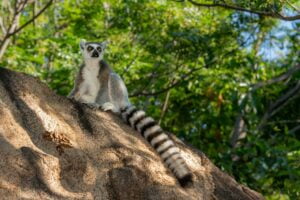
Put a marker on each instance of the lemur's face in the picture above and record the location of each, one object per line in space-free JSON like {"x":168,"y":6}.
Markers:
{"x":92,"y":50}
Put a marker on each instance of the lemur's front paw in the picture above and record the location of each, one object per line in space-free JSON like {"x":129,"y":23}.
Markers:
{"x":108,"y":106}
{"x":93,"y":106}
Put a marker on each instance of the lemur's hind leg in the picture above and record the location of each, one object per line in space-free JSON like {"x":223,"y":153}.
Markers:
{"x":86,"y":98}
{"x":117,"y":93}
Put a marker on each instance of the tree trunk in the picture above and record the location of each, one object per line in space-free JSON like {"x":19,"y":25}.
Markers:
{"x":53,"y":148}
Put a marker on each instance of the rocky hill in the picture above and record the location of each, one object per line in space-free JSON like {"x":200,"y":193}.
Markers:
{"x":53,"y":148}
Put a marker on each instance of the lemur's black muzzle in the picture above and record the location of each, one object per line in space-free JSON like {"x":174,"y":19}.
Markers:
{"x":95,"y":54}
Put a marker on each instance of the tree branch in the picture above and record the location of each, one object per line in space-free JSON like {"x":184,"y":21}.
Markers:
{"x":280,"y":103}
{"x":184,"y":77}
{"x":164,"y":107}
{"x":239,"y":132}
{"x":276,"y":79}
{"x":235,"y":7}
{"x":12,"y":30}
{"x":293,"y":130}
{"x":18,"y":7}
{"x":293,"y":6}
{"x":157,"y":92}
{"x":32,"y":19}
{"x":285,"y":122}
{"x":2,"y":26}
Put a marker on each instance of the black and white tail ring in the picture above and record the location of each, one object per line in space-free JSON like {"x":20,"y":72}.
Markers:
{"x":160,"y":141}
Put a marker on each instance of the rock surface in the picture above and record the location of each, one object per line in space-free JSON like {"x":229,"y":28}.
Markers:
{"x":53,"y":148}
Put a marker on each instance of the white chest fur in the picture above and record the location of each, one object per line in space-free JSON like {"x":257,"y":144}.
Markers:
{"x":90,"y":84}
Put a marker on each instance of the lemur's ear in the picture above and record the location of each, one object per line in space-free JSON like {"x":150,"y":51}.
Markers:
{"x":104,"y":44}
{"x":82,"y":44}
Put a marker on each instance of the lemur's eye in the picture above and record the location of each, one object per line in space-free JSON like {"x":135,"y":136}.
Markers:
{"x":99,"y":49}
{"x":90,"y":48}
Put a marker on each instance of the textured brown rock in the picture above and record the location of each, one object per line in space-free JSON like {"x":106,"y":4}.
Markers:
{"x":52,"y":148}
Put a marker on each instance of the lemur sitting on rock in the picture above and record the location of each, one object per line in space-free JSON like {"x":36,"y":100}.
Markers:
{"x":98,"y":86}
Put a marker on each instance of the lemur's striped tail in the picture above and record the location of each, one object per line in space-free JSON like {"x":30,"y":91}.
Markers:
{"x":160,"y":141}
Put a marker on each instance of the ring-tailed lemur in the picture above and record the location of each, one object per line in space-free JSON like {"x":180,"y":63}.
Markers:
{"x":97,"y":85}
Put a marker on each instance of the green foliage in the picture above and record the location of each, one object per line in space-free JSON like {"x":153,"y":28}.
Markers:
{"x":207,"y":59}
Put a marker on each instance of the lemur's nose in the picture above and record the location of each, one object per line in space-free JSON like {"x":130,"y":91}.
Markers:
{"x":95,"y":54}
